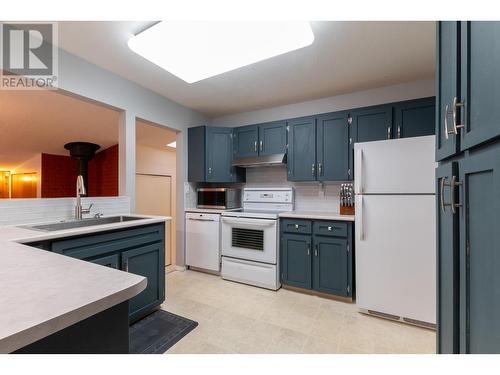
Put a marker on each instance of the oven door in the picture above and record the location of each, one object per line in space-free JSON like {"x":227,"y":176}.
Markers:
{"x":250,"y":239}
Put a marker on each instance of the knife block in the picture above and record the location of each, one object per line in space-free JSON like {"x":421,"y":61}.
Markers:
{"x":345,"y":210}
{"x":346,"y":198}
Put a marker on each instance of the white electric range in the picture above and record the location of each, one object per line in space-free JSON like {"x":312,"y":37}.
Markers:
{"x":250,"y":237}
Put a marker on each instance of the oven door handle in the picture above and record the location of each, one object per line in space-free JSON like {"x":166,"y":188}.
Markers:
{"x":259,"y":222}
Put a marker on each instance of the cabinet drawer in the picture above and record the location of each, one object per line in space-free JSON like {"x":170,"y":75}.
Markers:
{"x":107,"y":242}
{"x":330,"y":228}
{"x":297,"y":226}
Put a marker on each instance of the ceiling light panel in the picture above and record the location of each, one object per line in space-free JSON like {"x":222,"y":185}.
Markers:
{"x":197,"y":50}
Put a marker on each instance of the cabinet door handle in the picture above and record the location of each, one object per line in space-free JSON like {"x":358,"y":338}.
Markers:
{"x":261,"y":145}
{"x":441,"y":193}
{"x":308,"y":250}
{"x":296,"y":226}
{"x":329,"y":229}
{"x":399,"y":131}
{"x":452,"y":185}
{"x":316,"y":251}
{"x":209,"y":170}
{"x":313,"y":169}
{"x":389,"y":132}
{"x":445,"y":121}
{"x":456,"y":104}
{"x":320,"y":169}
{"x":126,"y":266}
{"x":255,"y":146}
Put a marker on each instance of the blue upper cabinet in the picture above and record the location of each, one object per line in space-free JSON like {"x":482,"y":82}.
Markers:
{"x":246,"y":141}
{"x":332,"y":146}
{"x":369,"y":124}
{"x":415,"y":118}
{"x":447,"y":78}
{"x":372,"y":123}
{"x":272,"y":138}
{"x":478,"y":112}
{"x":262,"y":139}
{"x":301,"y":162}
{"x":210,"y":152}
{"x":219,"y":147}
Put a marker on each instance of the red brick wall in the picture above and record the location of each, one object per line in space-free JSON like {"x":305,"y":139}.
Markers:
{"x":59,"y":175}
{"x":103,"y":173}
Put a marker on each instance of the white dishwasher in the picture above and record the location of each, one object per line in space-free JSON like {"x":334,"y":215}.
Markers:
{"x":203,"y":240}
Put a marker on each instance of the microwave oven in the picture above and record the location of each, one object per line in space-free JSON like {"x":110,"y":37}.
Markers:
{"x":218,"y":198}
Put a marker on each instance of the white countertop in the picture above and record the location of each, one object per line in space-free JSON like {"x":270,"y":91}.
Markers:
{"x":209,"y":210}
{"x":21,"y":234}
{"x":318,"y":215}
{"x":44,"y":292}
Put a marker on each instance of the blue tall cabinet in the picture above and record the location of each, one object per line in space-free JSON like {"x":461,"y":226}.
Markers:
{"x":468,"y":186}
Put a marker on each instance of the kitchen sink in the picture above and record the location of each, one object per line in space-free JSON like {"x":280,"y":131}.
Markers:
{"x":82,"y":223}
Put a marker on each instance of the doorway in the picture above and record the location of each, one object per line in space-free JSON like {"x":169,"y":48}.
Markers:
{"x":156,"y":177}
{"x":154,"y":197}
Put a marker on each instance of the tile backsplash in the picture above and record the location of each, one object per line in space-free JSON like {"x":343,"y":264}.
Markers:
{"x":309,"y":196}
{"x":20,"y":211}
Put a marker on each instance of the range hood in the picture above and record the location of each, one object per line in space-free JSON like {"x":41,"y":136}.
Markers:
{"x":260,"y":161}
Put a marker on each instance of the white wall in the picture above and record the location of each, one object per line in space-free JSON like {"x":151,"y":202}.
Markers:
{"x":387,"y":94}
{"x":81,"y":78}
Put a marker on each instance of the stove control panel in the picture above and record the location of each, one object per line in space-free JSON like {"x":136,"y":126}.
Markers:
{"x":278,"y":195}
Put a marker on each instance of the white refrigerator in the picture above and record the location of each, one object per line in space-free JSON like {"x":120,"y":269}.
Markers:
{"x":395,"y":229}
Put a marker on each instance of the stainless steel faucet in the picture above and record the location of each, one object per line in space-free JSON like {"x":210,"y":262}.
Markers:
{"x":80,"y":189}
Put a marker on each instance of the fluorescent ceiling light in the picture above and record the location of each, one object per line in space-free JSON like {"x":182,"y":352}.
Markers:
{"x":172,"y":144}
{"x":197,"y":50}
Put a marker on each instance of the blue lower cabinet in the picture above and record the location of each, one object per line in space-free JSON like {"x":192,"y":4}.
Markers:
{"x":147,"y":261}
{"x":296,"y":260}
{"x":330,"y":266}
{"x":320,"y":260}
{"x":111,"y":261}
{"x":139,"y":250}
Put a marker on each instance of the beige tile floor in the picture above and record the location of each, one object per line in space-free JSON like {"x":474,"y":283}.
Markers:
{"x":236,"y":318}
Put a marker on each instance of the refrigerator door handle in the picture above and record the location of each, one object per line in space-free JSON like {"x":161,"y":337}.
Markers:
{"x":358,"y":172}
{"x":359,"y":215}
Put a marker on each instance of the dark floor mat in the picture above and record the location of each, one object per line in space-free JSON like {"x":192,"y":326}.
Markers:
{"x":157,"y":332}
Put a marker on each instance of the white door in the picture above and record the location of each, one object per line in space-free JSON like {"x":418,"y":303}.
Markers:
{"x":153,"y":196}
{"x":396,"y":166}
{"x":396,"y":255}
